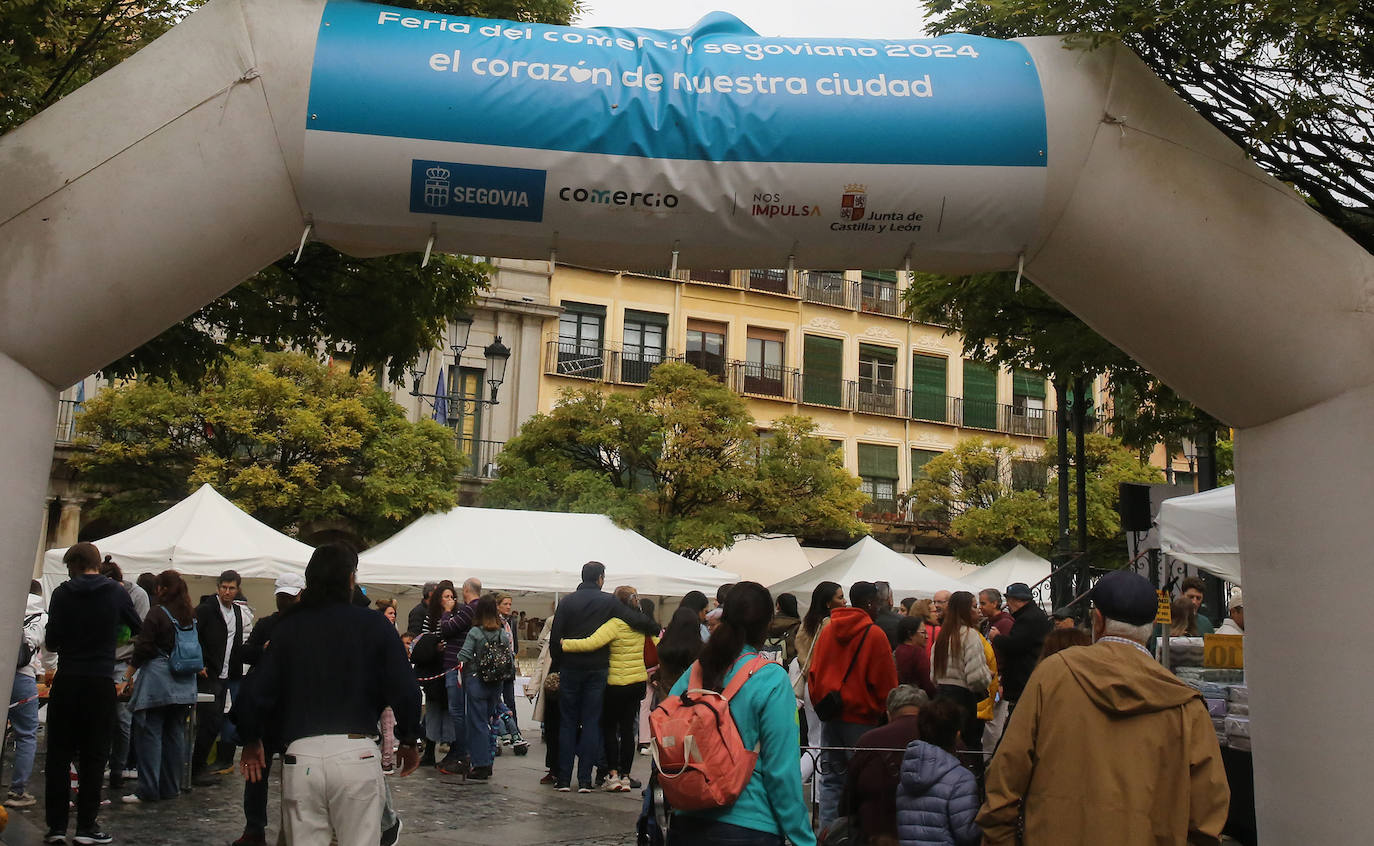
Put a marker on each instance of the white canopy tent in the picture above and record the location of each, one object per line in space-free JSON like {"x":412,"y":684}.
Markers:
{"x":868,"y":561}
{"x":1201,"y":530}
{"x":534,"y":551}
{"x":765,"y":560}
{"x":1018,"y":565}
{"x":203,"y":535}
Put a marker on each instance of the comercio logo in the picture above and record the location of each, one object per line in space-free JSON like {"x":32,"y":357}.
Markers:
{"x":616,"y":197}
{"x":471,"y":190}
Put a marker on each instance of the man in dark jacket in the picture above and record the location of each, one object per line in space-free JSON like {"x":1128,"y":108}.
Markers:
{"x":453,"y":627}
{"x":887,"y":619}
{"x":582,"y":675}
{"x":287,"y":593}
{"x":330,"y":670}
{"x":85,"y":613}
{"x":1019,"y":649}
{"x":222,"y":622}
{"x":415,"y":622}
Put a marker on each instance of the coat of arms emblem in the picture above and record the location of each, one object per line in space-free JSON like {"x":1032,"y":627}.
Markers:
{"x":853,"y":202}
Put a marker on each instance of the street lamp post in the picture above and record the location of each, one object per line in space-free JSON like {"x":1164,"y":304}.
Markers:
{"x":497,"y":357}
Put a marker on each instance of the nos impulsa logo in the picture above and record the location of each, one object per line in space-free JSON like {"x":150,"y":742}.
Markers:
{"x":614,"y":197}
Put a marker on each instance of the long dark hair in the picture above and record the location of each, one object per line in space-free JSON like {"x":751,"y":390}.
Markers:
{"x":679,"y":647}
{"x":744,"y":622}
{"x":958,"y":616}
{"x":172,"y":594}
{"x":787,"y":604}
{"x":820,"y":606}
{"x":328,"y":577}
{"x":436,"y":603}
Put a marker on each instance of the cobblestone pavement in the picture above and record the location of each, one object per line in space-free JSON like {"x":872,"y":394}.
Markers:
{"x":437,"y":810}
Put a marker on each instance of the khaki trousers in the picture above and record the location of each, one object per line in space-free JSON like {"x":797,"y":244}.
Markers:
{"x":332,"y":788}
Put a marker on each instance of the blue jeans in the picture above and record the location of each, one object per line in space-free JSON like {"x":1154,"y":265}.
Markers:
{"x":688,"y":830}
{"x":24,"y":720}
{"x":480,"y":705}
{"x":160,"y":745}
{"x":835,"y":765}
{"x":580,"y":692}
{"x":457,"y":710}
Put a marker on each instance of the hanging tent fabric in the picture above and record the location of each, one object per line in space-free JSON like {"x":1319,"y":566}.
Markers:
{"x":1201,"y":530}
{"x":536,"y":551}
{"x":203,"y":535}
{"x":1018,"y":565}
{"x":761,"y":559}
{"x":868,"y":561}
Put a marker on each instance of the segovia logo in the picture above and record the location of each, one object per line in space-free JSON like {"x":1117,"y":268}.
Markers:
{"x":608,"y":197}
{"x":853,"y":202}
{"x":437,"y":187}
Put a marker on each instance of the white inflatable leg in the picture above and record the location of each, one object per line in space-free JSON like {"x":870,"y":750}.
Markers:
{"x":28,"y":419}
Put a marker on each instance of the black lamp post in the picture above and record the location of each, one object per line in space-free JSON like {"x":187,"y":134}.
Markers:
{"x":498,"y":355}
{"x":460,"y":330}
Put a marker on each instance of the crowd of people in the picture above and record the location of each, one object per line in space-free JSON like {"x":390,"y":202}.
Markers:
{"x":957,"y":719}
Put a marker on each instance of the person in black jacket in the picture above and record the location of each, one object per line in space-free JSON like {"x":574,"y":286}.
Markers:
{"x":582,"y":675}
{"x":320,"y":689}
{"x":415,"y":622}
{"x":222,"y":621}
{"x":1019,"y":649}
{"x":287,"y":592}
{"x":83,"y":617}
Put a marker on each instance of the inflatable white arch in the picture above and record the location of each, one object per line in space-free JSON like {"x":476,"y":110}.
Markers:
{"x":203,"y":158}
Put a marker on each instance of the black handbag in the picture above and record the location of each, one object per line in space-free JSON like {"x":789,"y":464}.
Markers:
{"x":831,"y":705}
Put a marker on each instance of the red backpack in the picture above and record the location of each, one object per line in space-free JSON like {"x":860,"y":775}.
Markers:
{"x":702,"y":762}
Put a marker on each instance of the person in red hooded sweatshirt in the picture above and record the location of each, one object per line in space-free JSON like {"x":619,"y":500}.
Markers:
{"x":851,"y":658}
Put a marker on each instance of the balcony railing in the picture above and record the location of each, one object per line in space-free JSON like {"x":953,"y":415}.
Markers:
{"x":774,"y":281}
{"x":827,"y":287}
{"x":66,"y":420}
{"x":880,"y":298}
{"x":479,"y":457}
{"x":763,"y":380}
{"x":576,"y":360}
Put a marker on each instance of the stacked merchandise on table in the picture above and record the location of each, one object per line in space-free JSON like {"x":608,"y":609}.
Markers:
{"x":1224,"y":691}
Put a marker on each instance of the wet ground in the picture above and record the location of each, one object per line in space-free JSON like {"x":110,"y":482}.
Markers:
{"x":512,"y":808}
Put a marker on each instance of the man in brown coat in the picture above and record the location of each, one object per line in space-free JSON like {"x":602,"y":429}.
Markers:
{"x":1106,"y":746}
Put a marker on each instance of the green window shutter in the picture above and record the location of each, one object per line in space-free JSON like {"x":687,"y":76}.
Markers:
{"x":633,"y":315}
{"x":877,"y":461}
{"x":584,"y":308}
{"x":822,"y":370}
{"x":980,"y":395}
{"x":929,"y":381}
{"x":873,"y":351}
{"x":1027,"y":384}
{"x":919,"y":457}
{"x":881,"y":275}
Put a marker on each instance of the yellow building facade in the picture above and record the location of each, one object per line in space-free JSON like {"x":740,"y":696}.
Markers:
{"x":831,"y":345}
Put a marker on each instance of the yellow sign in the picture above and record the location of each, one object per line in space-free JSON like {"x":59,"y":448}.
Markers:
{"x":1163,"y":615}
{"x":1223,"y":651}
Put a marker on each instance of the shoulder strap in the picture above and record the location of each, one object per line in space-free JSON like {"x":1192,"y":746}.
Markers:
{"x":745,"y":674}
{"x":694,"y":676}
{"x":175,"y":623}
{"x":854,"y":659}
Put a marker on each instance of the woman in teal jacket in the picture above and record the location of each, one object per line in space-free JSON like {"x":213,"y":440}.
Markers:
{"x":765,"y":712}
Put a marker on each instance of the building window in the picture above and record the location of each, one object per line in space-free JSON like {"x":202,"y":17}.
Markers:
{"x":763,"y":370}
{"x":822,"y":370}
{"x":929,"y":388}
{"x":466,"y":417}
{"x":643,"y":347}
{"x":706,"y":346}
{"x":878,"y":476}
{"x":980,"y":395}
{"x":1028,"y":404}
{"x":878,"y":292}
{"x":579,"y":340}
{"x":919,"y":459}
{"x":1029,"y":475}
{"x":773,"y":279}
{"x":877,"y":379}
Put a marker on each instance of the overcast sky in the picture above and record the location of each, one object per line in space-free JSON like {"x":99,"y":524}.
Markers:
{"x":795,"y":18}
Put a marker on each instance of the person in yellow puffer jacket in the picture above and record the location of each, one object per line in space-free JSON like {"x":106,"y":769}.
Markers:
{"x":625,"y":687}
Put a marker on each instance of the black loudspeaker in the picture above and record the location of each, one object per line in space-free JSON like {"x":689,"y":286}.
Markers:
{"x":1134,"y":506}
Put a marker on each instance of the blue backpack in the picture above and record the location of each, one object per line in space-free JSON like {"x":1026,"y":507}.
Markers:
{"x":186,"y":658}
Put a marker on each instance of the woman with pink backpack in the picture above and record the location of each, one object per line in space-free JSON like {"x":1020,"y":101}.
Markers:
{"x":756,"y":745}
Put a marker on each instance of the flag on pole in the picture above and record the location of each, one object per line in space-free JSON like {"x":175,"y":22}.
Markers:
{"x":441,"y":399}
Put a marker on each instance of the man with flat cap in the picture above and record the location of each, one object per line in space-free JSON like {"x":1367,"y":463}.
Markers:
{"x":1019,"y":649}
{"x":1106,"y":746}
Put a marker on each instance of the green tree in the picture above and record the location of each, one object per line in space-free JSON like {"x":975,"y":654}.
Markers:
{"x":1288,"y":82}
{"x":290,"y":440}
{"x":378,"y":313}
{"x":677,"y":461}
{"x":989,"y":495}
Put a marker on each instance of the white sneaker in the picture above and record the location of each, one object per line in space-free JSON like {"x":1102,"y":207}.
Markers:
{"x":131,"y":799}
{"x":612,"y":784}
{"x":23,"y":799}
